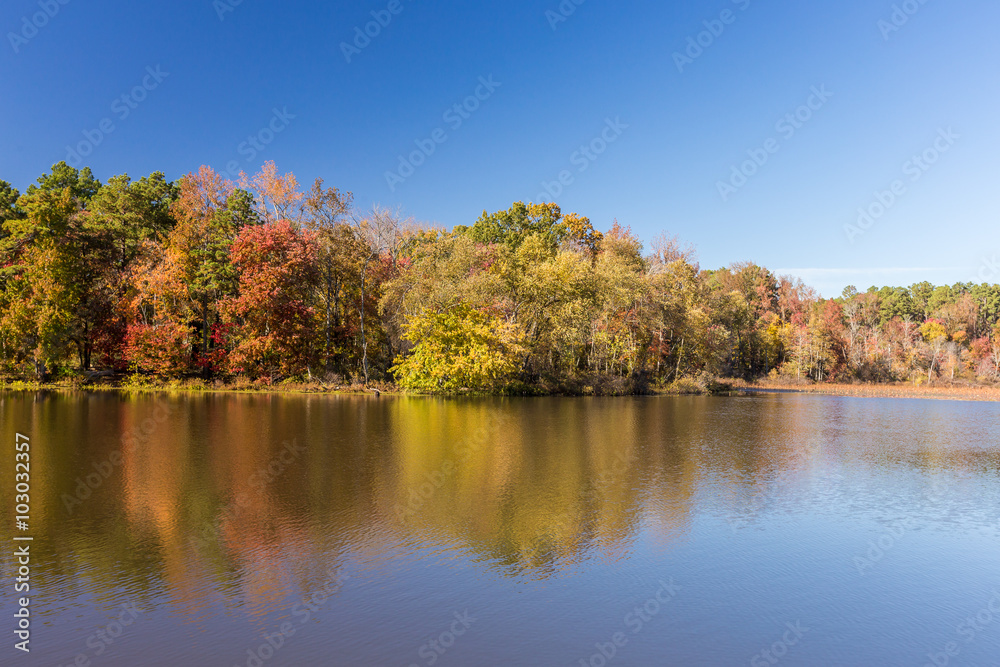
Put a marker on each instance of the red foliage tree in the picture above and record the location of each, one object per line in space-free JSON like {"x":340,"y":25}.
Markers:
{"x":274,"y":329}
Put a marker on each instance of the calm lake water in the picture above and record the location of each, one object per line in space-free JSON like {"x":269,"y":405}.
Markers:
{"x":409,"y":531}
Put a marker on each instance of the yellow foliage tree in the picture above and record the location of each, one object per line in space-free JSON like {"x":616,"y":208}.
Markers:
{"x":460,"y":349}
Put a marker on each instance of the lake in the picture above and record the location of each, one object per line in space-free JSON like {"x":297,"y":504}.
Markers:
{"x":259,"y":530}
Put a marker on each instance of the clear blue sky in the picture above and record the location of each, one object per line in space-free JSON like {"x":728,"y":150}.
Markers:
{"x":892,"y":92}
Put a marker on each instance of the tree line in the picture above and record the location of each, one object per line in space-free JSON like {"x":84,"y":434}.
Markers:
{"x":263,"y":281}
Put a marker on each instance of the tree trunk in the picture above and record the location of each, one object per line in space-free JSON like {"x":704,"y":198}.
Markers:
{"x":329,"y":322}
{"x":41,"y":370}
{"x":364,"y":338}
{"x":204,"y":328}
{"x":206,"y":371}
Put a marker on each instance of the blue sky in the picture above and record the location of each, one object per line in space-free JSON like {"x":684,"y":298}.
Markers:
{"x":594,"y":93}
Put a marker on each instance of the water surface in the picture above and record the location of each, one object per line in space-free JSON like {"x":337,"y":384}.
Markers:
{"x":413,"y":531}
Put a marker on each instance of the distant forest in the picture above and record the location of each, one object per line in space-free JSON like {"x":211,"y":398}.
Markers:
{"x":261,"y":282}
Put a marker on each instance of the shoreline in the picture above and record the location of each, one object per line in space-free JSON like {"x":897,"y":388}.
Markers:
{"x":982,"y":394}
{"x":188,"y":388}
{"x":734,"y":388}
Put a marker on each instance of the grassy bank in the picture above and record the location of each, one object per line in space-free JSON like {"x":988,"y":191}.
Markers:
{"x":129,"y":384}
{"x":952,"y":392}
{"x":685,"y":386}
{"x":196,"y":386}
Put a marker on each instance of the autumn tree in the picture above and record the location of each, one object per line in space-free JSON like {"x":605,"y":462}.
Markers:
{"x":210,"y":214}
{"x":263,"y":280}
{"x":339,"y":251}
{"x":8,"y":203}
{"x":513,"y":226}
{"x":381,"y":232}
{"x":682,"y":334}
{"x":161,"y":336}
{"x":274,"y":326}
{"x":986,"y":352}
{"x":936,"y":336}
{"x":460,"y":349}
{"x":277,"y":197}
{"x":748,"y":312}
{"x":123,"y":218}
{"x":51,"y":269}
